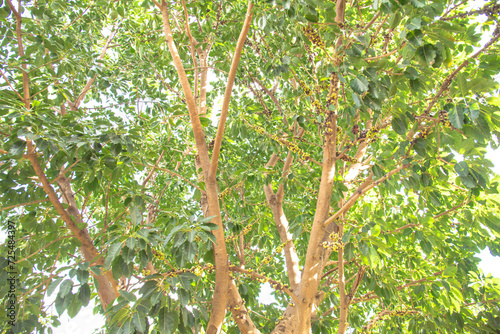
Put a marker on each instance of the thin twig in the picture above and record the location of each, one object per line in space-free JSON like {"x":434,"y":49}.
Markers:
{"x":23,"y":204}
{"x":8,"y":82}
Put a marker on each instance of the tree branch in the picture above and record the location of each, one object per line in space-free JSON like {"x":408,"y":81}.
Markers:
{"x":447,"y":82}
{"x":47,"y":245}
{"x":239,"y":311}
{"x":212,"y":207}
{"x":229,"y":88}
{"x":23,"y":204}
{"x":13,"y":89}
{"x":90,"y":82}
{"x":276,"y":204}
{"x":362,"y":190}
{"x":26,"y":80}
{"x":150,"y":174}
{"x":372,"y":295}
{"x":276,"y":285}
{"x":108,"y":286}
{"x":188,"y":94}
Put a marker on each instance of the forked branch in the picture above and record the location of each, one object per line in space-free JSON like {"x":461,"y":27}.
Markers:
{"x":229,"y":88}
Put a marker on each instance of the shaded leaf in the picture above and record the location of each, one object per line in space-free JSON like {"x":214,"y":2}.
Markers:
{"x":359,"y":84}
{"x":167,"y":321}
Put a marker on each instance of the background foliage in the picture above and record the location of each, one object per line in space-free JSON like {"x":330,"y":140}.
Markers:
{"x":417,"y":108}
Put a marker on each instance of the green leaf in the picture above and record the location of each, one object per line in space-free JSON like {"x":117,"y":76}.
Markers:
{"x":128,"y":296}
{"x":427,"y":53}
{"x":349,"y":251}
{"x":311,"y":18}
{"x":210,"y":226}
{"x":120,"y":11}
{"x":415,"y":37}
{"x":135,"y":214}
{"x":65,"y":288}
{"x":4,"y":12}
{"x":373,"y":257}
{"x":206,"y":219}
{"x":110,"y":162}
{"x":148,"y":288}
{"x":113,"y":251}
{"x":450,"y":271}
{"x":414,"y":24}
{"x":363,"y":247}
{"x":462,"y":168}
{"x":186,"y":253}
{"x":127,"y":327}
{"x":116,"y":149}
{"x":399,"y":125}
{"x":167,"y":321}
{"x":204,"y":121}
{"x":375,"y":231}
{"x":53,"y":285}
{"x":143,"y":306}
{"x":455,"y":115}
{"x":62,"y":304}
{"x":139,"y":320}
{"x":84,"y":294}
{"x":359,"y":84}
{"x":74,"y":307}
{"x":82,"y":276}
{"x":411,"y":73}
{"x":119,"y":316}
{"x":17,"y":148}
{"x":469,"y":181}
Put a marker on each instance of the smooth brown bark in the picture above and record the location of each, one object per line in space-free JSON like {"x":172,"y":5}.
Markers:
{"x":219,"y":300}
{"x":275,"y":202}
{"x":108,"y":287}
{"x":240,"y":312}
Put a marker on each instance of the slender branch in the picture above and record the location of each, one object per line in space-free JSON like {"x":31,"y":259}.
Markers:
{"x":47,"y":245}
{"x":171,"y":173}
{"x":63,"y":172}
{"x":385,"y":55}
{"x":372,"y":21}
{"x":49,"y":279}
{"x":240,"y":313}
{"x":192,"y":43}
{"x":23,"y":204}
{"x":229,"y":87}
{"x":188,"y":94}
{"x":106,"y":211}
{"x":343,"y":300}
{"x":483,"y":302}
{"x":490,"y":9}
{"x":401,"y":229}
{"x":26,"y":80}
{"x":367,"y":185}
{"x":451,"y":210}
{"x":78,"y":17}
{"x":372,"y":295}
{"x":447,"y":82}
{"x":90,"y":82}
{"x":13,"y":89}
{"x":153,"y":169}
{"x":276,"y":204}
{"x":286,"y":168}
{"x":275,"y":284}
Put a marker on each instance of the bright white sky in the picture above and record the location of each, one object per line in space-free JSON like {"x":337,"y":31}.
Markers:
{"x":86,"y":322}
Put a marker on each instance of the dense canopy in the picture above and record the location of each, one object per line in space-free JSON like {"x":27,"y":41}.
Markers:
{"x":168,"y":159}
